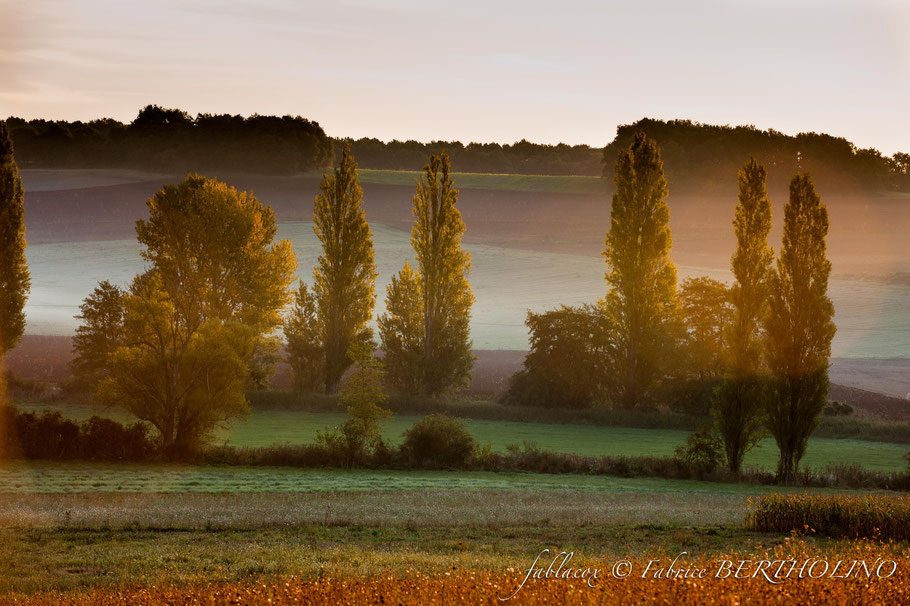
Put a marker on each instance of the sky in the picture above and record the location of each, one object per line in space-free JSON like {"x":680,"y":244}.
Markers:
{"x":502,"y":71}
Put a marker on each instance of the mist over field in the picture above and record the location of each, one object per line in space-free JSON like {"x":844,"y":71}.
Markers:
{"x":530,"y":250}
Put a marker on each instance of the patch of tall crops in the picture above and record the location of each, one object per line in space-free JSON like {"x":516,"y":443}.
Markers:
{"x":872,"y":516}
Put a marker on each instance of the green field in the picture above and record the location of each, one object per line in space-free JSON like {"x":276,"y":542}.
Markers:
{"x":265,"y":428}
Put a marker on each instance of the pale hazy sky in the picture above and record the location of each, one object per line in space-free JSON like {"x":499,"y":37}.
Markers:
{"x":482,"y":71}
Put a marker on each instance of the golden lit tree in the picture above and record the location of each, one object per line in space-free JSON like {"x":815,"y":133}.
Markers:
{"x":445,"y":297}
{"x":193,"y":322}
{"x":15,"y":282}
{"x":401,"y":332}
{"x":739,"y":402}
{"x":305,"y":353}
{"x":800,"y":326}
{"x":641,"y":301}
{"x":344,"y":279}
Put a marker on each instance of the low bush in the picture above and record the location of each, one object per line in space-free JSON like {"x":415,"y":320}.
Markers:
{"x":884,"y":517}
{"x":703,"y":451}
{"x":26,"y":435}
{"x":438,"y":441}
{"x":838,"y":409}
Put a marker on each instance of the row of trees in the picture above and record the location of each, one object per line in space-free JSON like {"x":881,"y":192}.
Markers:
{"x":424,"y":333}
{"x":698,"y":157}
{"x":171,"y":140}
{"x":757,"y":351}
{"x":180,"y":346}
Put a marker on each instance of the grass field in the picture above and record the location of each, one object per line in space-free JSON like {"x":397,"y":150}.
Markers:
{"x":53,"y":477}
{"x":265,"y":428}
{"x":74,"y":541}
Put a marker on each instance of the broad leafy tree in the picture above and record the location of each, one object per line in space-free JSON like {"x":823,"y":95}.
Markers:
{"x":569,"y":359}
{"x":800,"y":326}
{"x":740,"y":401}
{"x":641,"y":301}
{"x":708,"y":316}
{"x":193,"y":322}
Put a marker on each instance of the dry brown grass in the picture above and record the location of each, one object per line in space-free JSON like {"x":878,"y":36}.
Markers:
{"x":480,"y":586}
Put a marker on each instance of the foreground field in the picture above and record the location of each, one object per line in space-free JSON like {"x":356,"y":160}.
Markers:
{"x":266,"y":427}
{"x":151,"y":547}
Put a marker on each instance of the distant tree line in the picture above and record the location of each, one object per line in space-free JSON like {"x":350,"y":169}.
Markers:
{"x":522,"y":158}
{"x":162,"y":139}
{"x":697,"y":157}
{"x":706,"y":158}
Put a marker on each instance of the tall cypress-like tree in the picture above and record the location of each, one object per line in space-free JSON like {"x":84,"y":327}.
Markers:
{"x":345,"y":278}
{"x":445,"y":295}
{"x":800,"y":326}
{"x":641,"y":300}
{"x":15,"y":281}
{"x":739,"y":402}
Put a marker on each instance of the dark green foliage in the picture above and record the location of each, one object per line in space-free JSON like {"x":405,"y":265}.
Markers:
{"x":51,"y":436}
{"x":170,"y":140}
{"x":838,"y":409}
{"x":704,"y":157}
{"x":15,"y":282}
{"x":568,"y":360}
{"x":702,"y":452}
{"x":438,"y":441}
{"x":98,"y":336}
{"x":521,"y":158}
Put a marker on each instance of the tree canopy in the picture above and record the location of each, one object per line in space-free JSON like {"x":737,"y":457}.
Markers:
{"x":162,"y":139}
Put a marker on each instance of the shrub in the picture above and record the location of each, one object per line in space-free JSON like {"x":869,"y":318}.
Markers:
{"x":438,"y":441}
{"x":703,"y":451}
{"x":51,"y":436}
{"x":838,"y":409}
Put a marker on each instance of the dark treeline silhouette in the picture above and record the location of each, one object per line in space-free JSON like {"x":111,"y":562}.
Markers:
{"x":698,"y":157}
{"x":706,"y":158}
{"x":522,"y":158}
{"x":171,"y":140}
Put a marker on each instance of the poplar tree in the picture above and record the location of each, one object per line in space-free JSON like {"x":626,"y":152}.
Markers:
{"x":641,"y":301}
{"x":445,"y":297}
{"x":345,"y":276}
{"x":741,"y":398}
{"x":800,"y":326}
{"x":15,"y":281}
